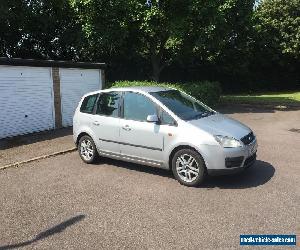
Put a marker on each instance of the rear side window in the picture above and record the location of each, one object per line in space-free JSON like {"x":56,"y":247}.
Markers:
{"x":88,"y":104}
{"x":108,"y":104}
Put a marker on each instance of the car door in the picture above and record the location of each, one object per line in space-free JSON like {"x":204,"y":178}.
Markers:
{"x":138,"y":138}
{"x":106,"y":123}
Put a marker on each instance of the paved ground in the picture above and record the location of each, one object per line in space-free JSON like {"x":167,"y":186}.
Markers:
{"x":61,"y":203}
{"x":22,"y":148}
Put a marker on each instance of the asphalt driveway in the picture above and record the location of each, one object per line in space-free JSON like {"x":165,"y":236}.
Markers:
{"x":61,"y":203}
{"x":23,"y":148}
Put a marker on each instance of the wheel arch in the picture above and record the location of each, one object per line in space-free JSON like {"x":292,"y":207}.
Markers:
{"x":179,"y":147}
{"x":79,"y":136}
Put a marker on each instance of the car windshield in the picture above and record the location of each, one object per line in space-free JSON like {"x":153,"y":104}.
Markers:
{"x":182,"y":105}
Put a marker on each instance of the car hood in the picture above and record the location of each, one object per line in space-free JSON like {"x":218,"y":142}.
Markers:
{"x":219,"y":124}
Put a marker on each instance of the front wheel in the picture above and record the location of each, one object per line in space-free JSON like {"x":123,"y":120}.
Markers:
{"x":87,"y":149}
{"x":188,"y":167}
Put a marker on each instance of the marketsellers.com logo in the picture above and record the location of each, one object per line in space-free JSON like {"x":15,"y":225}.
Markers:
{"x":268,"y":239}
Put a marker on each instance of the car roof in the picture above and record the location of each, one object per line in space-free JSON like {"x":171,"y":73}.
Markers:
{"x":139,"y":89}
{"x":146,"y":89}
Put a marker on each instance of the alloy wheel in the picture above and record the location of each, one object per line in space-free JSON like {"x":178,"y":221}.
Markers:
{"x":87,"y":149}
{"x":187,"y":168}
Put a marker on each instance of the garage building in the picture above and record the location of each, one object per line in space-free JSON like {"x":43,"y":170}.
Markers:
{"x":38,"y":95}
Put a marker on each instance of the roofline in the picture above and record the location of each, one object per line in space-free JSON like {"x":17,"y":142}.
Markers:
{"x":138,"y":88}
{"x":50,"y":63}
{"x":123,"y":89}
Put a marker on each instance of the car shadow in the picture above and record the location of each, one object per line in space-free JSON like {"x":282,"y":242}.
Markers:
{"x":47,"y":233}
{"x":259,"y":174}
{"x":34,"y":137}
{"x":136,"y":167}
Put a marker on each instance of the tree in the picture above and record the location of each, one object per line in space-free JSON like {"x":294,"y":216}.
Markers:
{"x":278,"y":22}
{"x":46,"y":29}
{"x":221,"y":33}
{"x":105,"y":24}
{"x":162,"y":31}
{"x":276,"y":51}
{"x":13,"y":16}
{"x":146,"y":29}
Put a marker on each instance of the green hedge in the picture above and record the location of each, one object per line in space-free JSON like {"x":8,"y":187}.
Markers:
{"x":207,"y":92}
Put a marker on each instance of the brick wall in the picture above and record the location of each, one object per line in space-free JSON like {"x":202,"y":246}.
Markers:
{"x":57,"y":100}
{"x":103,"y":78}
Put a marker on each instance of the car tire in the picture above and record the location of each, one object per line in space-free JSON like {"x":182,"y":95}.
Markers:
{"x":87,"y":149}
{"x":188,"y":167}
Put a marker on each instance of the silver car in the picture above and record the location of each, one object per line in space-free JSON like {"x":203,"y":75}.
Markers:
{"x":162,"y":127}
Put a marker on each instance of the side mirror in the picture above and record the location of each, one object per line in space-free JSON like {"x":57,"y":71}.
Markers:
{"x":152,"y":118}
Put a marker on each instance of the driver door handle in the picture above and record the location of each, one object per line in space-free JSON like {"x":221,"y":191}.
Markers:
{"x":126,"y":128}
{"x":96,"y":123}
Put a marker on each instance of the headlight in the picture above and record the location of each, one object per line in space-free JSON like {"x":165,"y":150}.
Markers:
{"x":227,"y":142}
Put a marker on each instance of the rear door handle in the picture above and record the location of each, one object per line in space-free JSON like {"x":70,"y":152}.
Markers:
{"x":126,"y":127}
{"x":96,"y":123}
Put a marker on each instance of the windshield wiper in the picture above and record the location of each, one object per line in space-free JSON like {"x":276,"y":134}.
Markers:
{"x":197,"y":116}
{"x":201,"y":115}
{"x":205,"y":114}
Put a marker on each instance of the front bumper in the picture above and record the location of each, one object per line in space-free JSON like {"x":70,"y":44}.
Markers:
{"x":233,"y":160}
{"x":227,"y":171}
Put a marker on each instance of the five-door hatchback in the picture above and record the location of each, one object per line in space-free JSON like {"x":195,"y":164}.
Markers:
{"x":162,"y":127}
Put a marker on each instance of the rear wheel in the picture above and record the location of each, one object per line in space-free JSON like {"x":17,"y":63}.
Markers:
{"x":188,"y":167}
{"x":87,"y":149}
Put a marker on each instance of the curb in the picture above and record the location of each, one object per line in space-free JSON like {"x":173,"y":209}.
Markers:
{"x":18,"y":164}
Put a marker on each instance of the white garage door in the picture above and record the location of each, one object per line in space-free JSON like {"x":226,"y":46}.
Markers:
{"x":26,"y":103}
{"x":74,"y":83}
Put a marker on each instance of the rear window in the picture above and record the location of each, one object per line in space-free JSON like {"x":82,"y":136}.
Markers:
{"x":88,"y":104}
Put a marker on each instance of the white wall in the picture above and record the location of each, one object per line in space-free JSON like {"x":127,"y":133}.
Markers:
{"x":26,"y":100}
{"x":74,"y":83}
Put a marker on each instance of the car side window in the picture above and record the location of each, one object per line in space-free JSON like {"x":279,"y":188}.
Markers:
{"x":166,"y":119}
{"x":88,"y":104}
{"x":108,"y":104}
{"x":137,"y":107}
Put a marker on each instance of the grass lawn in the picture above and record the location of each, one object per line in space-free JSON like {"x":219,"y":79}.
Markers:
{"x":278,"y":98}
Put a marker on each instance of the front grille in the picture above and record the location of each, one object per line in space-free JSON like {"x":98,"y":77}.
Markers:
{"x":233,"y":162}
{"x":250,"y":160}
{"x":248,"y":138}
